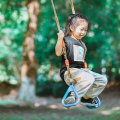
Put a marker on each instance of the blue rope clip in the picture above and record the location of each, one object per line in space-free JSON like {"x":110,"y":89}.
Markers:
{"x":93,"y":107}
{"x":71,"y":88}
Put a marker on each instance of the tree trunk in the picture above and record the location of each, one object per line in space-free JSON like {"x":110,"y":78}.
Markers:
{"x":26,"y":95}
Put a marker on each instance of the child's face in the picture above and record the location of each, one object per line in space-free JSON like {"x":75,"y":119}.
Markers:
{"x":80,"y":31}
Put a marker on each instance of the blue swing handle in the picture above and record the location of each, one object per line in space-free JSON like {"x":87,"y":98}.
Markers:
{"x":71,"y":88}
{"x":93,"y":107}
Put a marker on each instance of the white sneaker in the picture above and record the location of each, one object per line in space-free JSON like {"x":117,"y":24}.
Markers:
{"x":69,"y":100}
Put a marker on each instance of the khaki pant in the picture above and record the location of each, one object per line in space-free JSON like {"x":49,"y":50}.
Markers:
{"x":88,"y":83}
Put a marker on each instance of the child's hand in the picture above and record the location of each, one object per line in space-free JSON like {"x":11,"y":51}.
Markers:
{"x":60,"y":34}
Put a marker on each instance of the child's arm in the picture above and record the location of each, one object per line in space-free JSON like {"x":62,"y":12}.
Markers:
{"x":58,"y":47}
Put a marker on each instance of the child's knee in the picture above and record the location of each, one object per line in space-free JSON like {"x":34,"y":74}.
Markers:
{"x":90,"y":79}
{"x":105,"y":80}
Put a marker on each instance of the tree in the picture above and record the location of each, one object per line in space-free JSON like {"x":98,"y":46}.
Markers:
{"x":26,"y":93}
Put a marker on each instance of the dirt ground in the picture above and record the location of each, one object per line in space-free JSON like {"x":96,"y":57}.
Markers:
{"x":49,"y":108}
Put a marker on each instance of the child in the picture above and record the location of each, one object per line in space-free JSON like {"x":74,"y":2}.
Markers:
{"x":88,"y":84}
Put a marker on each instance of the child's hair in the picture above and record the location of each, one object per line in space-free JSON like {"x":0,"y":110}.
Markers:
{"x":72,"y":20}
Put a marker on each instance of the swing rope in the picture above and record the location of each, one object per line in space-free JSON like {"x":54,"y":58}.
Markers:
{"x":58,"y":25}
{"x":63,"y":44}
{"x":72,"y":6}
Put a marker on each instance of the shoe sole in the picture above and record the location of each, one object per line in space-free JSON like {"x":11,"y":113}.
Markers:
{"x":88,"y":104}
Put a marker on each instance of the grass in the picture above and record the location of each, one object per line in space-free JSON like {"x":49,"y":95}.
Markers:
{"x":110,"y":114}
{"x":5,"y":102}
{"x":53,"y":117}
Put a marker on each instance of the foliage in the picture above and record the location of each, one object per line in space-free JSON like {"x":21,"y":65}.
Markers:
{"x":102,"y":40}
{"x":51,"y":88}
{"x":13,"y":19}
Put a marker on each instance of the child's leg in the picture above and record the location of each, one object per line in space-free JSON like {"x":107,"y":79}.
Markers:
{"x":98,"y":85}
{"x":84,"y":80}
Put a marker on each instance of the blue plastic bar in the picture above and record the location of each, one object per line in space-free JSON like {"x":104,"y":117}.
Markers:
{"x":71,"y":88}
{"x":93,"y":107}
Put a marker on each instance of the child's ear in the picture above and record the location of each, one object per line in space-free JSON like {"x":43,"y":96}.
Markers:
{"x":71,"y":28}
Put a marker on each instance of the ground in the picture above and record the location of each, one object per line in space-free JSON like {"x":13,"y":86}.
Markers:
{"x":49,"y":108}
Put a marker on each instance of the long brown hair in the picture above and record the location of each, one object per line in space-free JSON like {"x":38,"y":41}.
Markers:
{"x":72,"y":20}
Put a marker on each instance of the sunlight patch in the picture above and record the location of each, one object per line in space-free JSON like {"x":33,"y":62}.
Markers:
{"x":110,"y":112}
{"x":53,"y":106}
{"x":37,"y":104}
{"x":105,"y":112}
{"x":116,"y":108}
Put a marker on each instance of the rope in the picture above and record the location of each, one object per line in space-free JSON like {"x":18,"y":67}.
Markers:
{"x":72,"y":6}
{"x":63,"y":44}
{"x":58,"y":25}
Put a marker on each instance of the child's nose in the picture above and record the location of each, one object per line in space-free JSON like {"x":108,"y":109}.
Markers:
{"x":83,"y":32}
